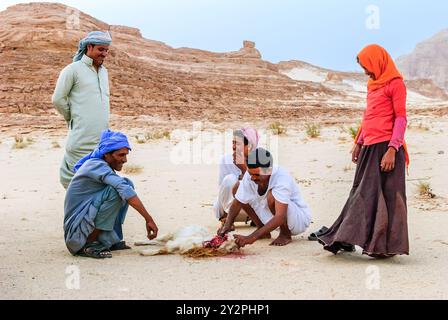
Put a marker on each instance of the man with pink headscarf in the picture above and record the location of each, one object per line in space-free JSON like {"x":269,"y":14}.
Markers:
{"x":232,"y":169}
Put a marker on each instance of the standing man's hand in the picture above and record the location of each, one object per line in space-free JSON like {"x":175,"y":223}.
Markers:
{"x":388,"y":161}
{"x":356,"y":152}
{"x":152,"y":229}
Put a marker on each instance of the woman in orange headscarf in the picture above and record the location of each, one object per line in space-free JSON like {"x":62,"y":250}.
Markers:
{"x":375,"y":215}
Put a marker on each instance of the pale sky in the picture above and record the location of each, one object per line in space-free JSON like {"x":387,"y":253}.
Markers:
{"x":327,"y":33}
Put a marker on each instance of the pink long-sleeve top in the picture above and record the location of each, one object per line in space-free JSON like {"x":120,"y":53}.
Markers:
{"x":385,"y":115}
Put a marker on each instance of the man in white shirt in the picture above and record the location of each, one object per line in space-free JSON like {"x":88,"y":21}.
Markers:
{"x":231,"y":170}
{"x":275,"y":198}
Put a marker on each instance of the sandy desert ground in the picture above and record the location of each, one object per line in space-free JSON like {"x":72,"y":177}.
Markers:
{"x":36,"y":265}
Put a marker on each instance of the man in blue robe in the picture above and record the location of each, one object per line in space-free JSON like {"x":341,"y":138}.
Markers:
{"x":97,"y":201}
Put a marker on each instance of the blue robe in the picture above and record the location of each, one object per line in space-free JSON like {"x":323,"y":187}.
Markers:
{"x":96,"y":196}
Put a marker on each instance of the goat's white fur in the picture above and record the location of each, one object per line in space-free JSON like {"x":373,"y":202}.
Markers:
{"x":180,"y":241}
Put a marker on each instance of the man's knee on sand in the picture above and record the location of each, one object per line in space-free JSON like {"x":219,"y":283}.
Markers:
{"x":296,"y":227}
{"x":109,"y":205}
{"x":229,"y":181}
{"x":227,"y":185}
{"x":271,"y":205}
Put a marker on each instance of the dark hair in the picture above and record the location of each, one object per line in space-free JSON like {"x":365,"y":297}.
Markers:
{"x":260,"y":158}
{"x":240,"y":134}
{"x":87,"y":49}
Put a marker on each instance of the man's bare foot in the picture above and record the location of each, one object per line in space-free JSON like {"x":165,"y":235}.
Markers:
{"x":281,"y":241}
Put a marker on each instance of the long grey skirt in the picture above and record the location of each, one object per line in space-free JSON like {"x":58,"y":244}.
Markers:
{"x":375,"y":215}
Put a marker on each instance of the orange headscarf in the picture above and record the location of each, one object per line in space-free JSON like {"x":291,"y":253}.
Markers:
{"x":378,"y":61}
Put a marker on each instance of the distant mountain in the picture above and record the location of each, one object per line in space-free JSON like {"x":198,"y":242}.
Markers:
{"x":151,"y":78}
{"x":420,"y":91}
{"x":147,"y":77}
{"x":429,"y":60}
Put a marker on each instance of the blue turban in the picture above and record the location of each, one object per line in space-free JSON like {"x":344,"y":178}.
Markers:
{"x":95,"y":37}
{"x":110,"y":142}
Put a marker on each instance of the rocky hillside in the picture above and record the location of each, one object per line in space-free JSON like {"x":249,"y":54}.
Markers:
{"x":147,"y":77}
{"x":151,"y":79}
{"x":420,"y":91}
{"x":429,"y":60}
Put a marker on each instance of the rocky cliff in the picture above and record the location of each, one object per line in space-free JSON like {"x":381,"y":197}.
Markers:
{"x":147,"y":77}
{"x":429,"y":60}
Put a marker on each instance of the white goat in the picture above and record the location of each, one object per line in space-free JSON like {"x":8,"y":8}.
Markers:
{"x":181,"y":241}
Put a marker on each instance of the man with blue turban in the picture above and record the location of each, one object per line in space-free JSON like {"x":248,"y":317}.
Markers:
{"x":81,"y":96}
{"x":97,"y":201}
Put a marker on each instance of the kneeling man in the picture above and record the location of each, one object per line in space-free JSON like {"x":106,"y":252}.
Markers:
{"x":275,"y":199}
{"x":97,"y":201}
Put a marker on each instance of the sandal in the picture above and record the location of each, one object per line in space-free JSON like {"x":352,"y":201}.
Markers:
{"x":313,"y":236}
{"x":337,"y":246}
{"x":249,"y":220}
{"x":379,"y":255}
{"x":120,"y":246}
{"x":347,"y":247}
{"x":95,"y":250}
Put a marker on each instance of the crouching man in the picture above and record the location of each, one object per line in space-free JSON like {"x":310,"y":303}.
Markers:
{"x":97,"y":201}
{"x":275,"y":199}
{"x":231,"y":170}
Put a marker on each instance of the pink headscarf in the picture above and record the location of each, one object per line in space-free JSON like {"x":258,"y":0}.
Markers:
{"x":252,"y":136}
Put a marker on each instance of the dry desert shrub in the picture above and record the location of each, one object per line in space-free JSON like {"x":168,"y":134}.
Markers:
{"x":19,"y":143}
{"x":157,"y":135}
{"x":153,"y":135}
{"x":312,"y":130}
{"x":423,"y":127}
{"x":424,"y":190}
{"x":277,"y":128}
{"x":132,"y":169}
{"x":55,"y":145}
{"x":140,"y":140}
{"x":419,"y":126}
{"x":353,"y":132}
